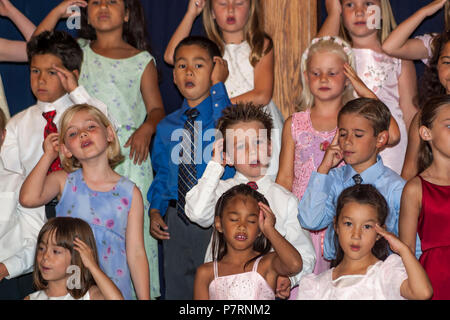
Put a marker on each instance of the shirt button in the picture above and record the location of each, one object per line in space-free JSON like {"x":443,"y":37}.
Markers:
{"x":214,"y":92}
{"x":216,"y":105}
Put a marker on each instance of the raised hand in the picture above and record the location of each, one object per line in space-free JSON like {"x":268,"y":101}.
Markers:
{"x":395,"y":243}
{"x":333,"y":156}
{"x":266,"y":219}
{"x":62,"y":8}
{"x":361,"y":89}
{"x":220,"y":70}
{"x":68,"y":78}
{"x":5,"y":8}
{"x":86,"y":253}
{"x":218,"y":155}
{"x":433,"y":7}
{"x":195,"y":7}
{"x":51,"y":145}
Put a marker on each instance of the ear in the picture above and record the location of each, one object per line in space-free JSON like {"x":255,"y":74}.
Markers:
{"x":305,"y":75}
{"x":425,"y":133}
{"x":127,"y":16}
{"x":174,"y":77}
{"x":109,"y":134}
{"x":65,"y":151}
{"x":218,"y":224}
{"x":76,"y":73}
{"x":382,"y":139}
{"x":335,"y":225}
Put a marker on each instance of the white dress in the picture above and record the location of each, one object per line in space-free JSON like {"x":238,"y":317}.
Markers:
{"x":380,"y":74}
{"x":41,"y":295}
{"x":3,"y":103}
{"x":241,"y":80}
{"x":382,"y":281}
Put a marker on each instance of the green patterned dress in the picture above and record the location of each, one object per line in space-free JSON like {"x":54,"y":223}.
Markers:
{"x":116,"y":82}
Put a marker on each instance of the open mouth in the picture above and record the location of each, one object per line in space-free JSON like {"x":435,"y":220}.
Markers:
{"x":231,"y":20}
{"x":241,"y":237}
{"x":86,"y":144}
{"x":189,"y":85}
{"x":324,"y":89}
{"x":355,"y":247}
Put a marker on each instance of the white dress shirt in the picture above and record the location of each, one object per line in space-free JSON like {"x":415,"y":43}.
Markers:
{"x":202,"y":198}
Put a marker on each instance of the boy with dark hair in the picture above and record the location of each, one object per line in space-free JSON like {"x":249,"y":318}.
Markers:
{"x":245,"y":129}
{"x":55,"y":61}
{"x":362,"y":133}
{"x":179,"y":157}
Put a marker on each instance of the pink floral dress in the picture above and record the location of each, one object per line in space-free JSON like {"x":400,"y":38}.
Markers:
{"x":107,"y":214}
{"x":310,"y":146}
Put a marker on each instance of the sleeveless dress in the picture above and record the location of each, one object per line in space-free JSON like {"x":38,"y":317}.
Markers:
{"x":434,"y":229}
{"x":380,"y":73}
{"x":241,"y":80}
{"x":117,"y":82}
{"x":107,"y":215}
{"x":242,"y":286}
{"x":41,"y":295}
{"x":3,"y":103}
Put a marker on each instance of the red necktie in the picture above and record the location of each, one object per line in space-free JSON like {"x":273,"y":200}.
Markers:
{"x":253,"y":185}
{"x":50,"y":127}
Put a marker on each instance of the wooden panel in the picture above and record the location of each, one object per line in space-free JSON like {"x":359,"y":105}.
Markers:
{"x":291,"y":24}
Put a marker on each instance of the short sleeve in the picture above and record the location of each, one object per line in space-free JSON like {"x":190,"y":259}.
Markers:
{"x":392,"y":274}
{"x":427,"y":42}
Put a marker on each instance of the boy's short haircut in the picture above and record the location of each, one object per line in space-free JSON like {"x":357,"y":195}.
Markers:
{"x":244,"y":112}
{"x":2,"y":121}
{"x":202,"y":42}
{"x":372,"y":109}
{"x":58,"y":43}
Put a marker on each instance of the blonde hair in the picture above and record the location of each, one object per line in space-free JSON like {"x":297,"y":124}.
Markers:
{"x":254,"y":32}
{"x":325,"y":44}
{"x":72,"y":164}
{"x":387,"y":23}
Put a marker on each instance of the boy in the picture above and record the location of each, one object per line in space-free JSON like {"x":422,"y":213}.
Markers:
{"x":19,"y":228}
{"x":247,"y":129}
{"x":362,"y":133}
{"x":198,"y":73}
{"x":55,"y":61}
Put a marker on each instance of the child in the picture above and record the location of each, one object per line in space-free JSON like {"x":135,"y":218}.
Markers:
{"x":119,"y":70}
{"x":94,"y":192}
{"x":19,"y":228}
{"x":67,"y":245}
{"x":246,"y":129}
{"x":362,"y":133}
{"x":425,"y":205}
{"x":244,"y":233}
{"x":13,"y":50}
{"x":198,"y":73}
{"x":237,"y":27}
{"x":429,"y":48}
{"x":362,"y":270}
{"x":328,"y":83}
{"x":391,"y":79}
{"x":55,"y":61}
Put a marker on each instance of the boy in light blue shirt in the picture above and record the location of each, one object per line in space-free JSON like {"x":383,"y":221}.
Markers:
{"x":362,"y":133}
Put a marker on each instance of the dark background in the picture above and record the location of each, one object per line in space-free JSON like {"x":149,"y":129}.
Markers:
{"x":162,"y":17}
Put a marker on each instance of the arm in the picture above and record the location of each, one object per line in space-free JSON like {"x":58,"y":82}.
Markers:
{"x":411,"y":203}
{"x":398,"y":43}
{"x":105,"y":289}
{"x":407,"y":89}
{"x":263,"y":81}
{"x":39,"y":188}
{"x":203,"y":278}
{"x":195,"y":7}
{"x":136,"y":256}
{"x":285,"y":176}
{"x":410,"y":166}
{"x":25,"y":26}
{"x":332,"y":23}
{"x":417,"y":285}
{"x":139,"y":142}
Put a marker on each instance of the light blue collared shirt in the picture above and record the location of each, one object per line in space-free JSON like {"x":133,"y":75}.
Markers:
{"x":317,"y":207}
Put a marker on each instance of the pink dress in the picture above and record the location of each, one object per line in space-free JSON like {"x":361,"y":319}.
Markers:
{"x":242,"y":286}
{"x":380,"y":73}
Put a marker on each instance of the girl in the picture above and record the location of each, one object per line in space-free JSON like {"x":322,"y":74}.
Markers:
{"x":391,"y":79}
{"x":93,"y":191}
{"x":119,"y":70}
{"x":243,"y":266}
{"x":425,"y":206}
{"x":361,"y":269}
{"x":428,"y":48}
{"x":13,"y":50}
{"x":64,"y":243}
{"x":328,"y":82}
{"x":237,"y":28}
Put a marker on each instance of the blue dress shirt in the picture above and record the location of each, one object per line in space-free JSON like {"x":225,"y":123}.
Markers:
{"x":167,"y":146}
{"x":317,"y":207}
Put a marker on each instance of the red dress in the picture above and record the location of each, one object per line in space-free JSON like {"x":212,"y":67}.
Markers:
{"x":434,"y":232}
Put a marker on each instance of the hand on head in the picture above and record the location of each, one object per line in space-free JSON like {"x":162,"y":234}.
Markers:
{"x":220,"y":70}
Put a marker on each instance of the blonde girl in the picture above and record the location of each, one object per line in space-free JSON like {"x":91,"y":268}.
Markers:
{"x":90,"y":189}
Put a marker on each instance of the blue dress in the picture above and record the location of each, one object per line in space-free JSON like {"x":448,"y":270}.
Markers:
{"x":107,"y":214}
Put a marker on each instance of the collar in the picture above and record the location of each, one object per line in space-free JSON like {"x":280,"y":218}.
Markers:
{"x":263,"y":183}
{"x":204,"y":108}
{"x":60,"y":105}
{"x":369,"y":176}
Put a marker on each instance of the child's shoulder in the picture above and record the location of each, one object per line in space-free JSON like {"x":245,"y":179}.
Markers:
{"x":206,"y":271}
{"x":30,"y":112}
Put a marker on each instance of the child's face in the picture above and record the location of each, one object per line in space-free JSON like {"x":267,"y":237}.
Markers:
{"x":52,"y":260}
{"x":45,"y":83}
{"x":355,"y":16}
{"x":231,"y":15}
{"x":325,"y":76}
{"x":251,"y":149}
{"x":439,"y":134}
{"x":239,"y":222}
{"x":357,"y":141}
{"x":192,"y":73}
{"x":86,"y":137}
{"x":107,"y":15}
{"x":443,"y":67}
{"x":356,"y":230}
